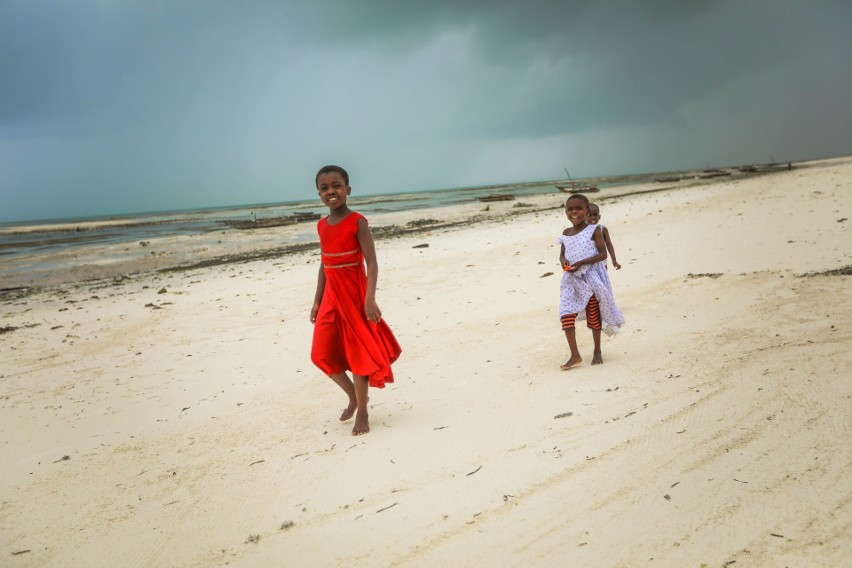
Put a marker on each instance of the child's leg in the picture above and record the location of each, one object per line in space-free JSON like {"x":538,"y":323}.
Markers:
{"x":326,"y":352}
{"x":362,"y":423}
{"x":597,"y":357}
{"x":571,"y":336}
{"x":593,"y":319}
{"x":342,"y":379}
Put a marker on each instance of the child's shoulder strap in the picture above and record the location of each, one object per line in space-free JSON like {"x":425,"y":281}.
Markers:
{"x":595,"y":228}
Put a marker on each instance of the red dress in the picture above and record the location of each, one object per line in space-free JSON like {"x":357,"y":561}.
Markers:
{"x":343,"y":337}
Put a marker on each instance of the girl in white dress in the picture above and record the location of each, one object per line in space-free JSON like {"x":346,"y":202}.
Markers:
{"x":585,"y":290}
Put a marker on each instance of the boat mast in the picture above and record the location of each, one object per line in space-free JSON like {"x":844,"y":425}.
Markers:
{"x":571,"y":181}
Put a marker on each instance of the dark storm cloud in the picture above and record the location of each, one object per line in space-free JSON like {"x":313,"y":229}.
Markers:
{"x":156,"y":105}
{"x":610,"y":63}
{"x":77,"y":62}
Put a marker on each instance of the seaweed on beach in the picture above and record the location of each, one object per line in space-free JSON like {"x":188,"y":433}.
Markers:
{"x":842,"y":271}
{"x":244,"y":257}
{"x":15,"y":293}
{"x":11,"y":328}
{"x":414,"y":227}
{"x":422,"y":222}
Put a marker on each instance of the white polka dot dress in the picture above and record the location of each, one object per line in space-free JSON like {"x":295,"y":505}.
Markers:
{"x":577,"y":287}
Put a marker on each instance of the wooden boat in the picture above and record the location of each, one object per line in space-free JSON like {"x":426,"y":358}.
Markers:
{"x":573,"y":188}
{"x":576,"y":187}
{"x":306,"y":217}
{"x":714,"y":173}
{"x":490,"y":198}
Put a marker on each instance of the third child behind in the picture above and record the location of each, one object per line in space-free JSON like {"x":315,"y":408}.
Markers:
{"x":594,"y":219}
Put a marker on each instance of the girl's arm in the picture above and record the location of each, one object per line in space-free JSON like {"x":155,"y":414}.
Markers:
{"x":318,"y":294}
{"x":610,"y":248}
{"x":600,"y":245}
{"x":368,"y":248}
{"x":562,"y":260}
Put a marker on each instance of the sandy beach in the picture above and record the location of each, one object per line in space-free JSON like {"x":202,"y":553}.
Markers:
{"x":173,"y":418}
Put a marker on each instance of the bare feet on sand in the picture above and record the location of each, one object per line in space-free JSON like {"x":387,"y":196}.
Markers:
{"x":362,"y":424}
{"x":572,"y":362}
{"x":349,"y":411}
{"x":597,"y":358}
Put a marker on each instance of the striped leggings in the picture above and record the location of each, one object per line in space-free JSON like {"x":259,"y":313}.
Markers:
{"x":593,"y":316}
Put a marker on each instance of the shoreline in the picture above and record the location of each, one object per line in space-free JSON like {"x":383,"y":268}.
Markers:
{"x":81,"y":267}
{"x":198,"y":215}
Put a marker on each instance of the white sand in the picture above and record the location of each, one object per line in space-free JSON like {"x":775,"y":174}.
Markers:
{"x":717,"y":430}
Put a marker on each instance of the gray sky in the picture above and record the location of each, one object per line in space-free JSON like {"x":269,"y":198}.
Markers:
{"x":113,"y":106}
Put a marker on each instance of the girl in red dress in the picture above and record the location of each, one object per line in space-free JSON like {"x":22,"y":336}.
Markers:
{"x":349,"y":332}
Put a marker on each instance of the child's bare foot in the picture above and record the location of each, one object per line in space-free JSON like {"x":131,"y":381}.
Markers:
{"x":597,"y":358}
{"x":349,"y":411}
{"x":572,"y":362}
{"x":362,"y":424}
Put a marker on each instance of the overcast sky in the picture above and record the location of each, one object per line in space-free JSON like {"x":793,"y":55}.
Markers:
{"x":114,"y":106}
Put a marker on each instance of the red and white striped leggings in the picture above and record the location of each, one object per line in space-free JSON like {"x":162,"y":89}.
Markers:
{"x":593,"y":316}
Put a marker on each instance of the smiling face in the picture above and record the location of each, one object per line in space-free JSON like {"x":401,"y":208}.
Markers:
{"x":576,"y":209}
{"x":333,"y":190}
{"x":594,"y":215}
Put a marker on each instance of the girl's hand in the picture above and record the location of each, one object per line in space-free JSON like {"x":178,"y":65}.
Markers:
{"x":616,"y":265}
{"x":314,"y":312}
{"x":574,"y":267}
{"x":371,"y":309}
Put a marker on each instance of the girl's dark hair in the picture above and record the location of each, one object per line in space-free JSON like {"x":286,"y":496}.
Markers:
{"x":332,"y":169}
{"x":579,"y":196}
